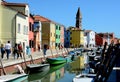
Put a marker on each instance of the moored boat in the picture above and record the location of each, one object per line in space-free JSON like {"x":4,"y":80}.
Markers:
{"x":37,"y":76}
{"x":58,"y":60}
{"x":84,"y":78}
{"x":37,"y":67}
{"x":13,"y":78}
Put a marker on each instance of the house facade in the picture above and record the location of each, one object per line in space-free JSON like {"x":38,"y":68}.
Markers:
{"x":62,"y":35}
{"x":76,"y":37}
{"x":57,"y":41}
{"x":37,"y":34}
{"x":90,"y":38}
{"x":66,"y":38}
{"x":52,"y":35}
{"x":31,"y":32}
{"x":16,"y":16}
{"x":48,"y":31}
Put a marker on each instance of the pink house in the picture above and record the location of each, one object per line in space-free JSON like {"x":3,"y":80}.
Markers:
{"x":31,"y":33}
{"x":62,"y":35}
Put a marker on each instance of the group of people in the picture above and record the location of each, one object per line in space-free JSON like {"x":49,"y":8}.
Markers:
{"x":7,"y":48}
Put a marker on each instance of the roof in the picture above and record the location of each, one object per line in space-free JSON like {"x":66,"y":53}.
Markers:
{"x":88,"y":30}
{"x":41,"y":18}
{"x":14,"y":4}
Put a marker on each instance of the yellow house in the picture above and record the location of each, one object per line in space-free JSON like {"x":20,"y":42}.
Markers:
{"x":48,"y":31}
{"x":76,"y":37}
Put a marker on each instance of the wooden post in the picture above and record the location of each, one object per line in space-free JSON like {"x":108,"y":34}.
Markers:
{"x":62,"y":52}
{"x":4,"y":72}
{"x":24,"y":58}
{"x":31,"y":59}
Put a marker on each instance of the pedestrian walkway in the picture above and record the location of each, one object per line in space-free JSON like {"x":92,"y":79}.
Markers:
{"x":35,"y":55}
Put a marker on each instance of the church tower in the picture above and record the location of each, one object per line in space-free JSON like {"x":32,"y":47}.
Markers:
{"x":78,"y":19}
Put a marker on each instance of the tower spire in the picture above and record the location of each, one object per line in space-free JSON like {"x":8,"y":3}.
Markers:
{"x":78,"y":19}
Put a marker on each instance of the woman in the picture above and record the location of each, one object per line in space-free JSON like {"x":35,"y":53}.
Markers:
{"x":2,"y":51}
{"x":15,"y":51}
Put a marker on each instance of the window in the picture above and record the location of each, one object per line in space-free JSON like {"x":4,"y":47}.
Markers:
{"x":56,"y":27}
{"x":31,"y":43}
{"x":19,"y":28}
{"x":56,"y":36}
{"x":24,"y":30}
{"x":30,"y":26}
{"x":59,"y":27}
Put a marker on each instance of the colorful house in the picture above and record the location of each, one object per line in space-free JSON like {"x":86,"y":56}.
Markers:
{"x":76,"y":37}
{"x":14,"y":24}
{"x":31,"y":33}
{"x":48,"y":31}
{"x":67,"y":38}
{"x":90,"y":38}
{"x":62,"y":35}
{"x":57,"y":41}
{"x":107,"y":37}
{"x":98,"y":40}
{"x":37,"y":35}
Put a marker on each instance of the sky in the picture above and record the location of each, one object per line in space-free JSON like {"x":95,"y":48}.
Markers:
{"x":97,"y":15}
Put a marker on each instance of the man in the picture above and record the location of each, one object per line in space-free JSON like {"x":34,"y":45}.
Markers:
{"x":8,"y":48}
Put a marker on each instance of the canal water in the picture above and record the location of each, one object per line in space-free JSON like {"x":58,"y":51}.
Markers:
{"x":66,"y":72}
{"x":59,"y":73}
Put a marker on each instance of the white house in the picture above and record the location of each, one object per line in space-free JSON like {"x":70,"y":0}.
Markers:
{"x":90,"y":38}
{"x":15,"y":23}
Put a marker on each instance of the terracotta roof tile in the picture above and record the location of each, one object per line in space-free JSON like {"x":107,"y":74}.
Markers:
{"x":41,"y":18}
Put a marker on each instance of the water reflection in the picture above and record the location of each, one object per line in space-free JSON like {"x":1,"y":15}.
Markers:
{"x":55,"y":73}
{"x":60,"y":73}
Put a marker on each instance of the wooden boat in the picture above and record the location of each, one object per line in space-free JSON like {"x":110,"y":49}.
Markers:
{"x":58,"y":60}
{"x":37,"y":76}
{"x":37,"y":67}
{"x":13,"y":78}
{"x":84,"y":78}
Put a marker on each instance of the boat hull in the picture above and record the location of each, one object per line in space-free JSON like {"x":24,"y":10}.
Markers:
{"x":55,"y":61}
{"x":32,"y":68}
{"x":14,"y":78}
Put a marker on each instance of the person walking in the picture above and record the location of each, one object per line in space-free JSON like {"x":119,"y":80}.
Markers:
{"x":15,"y":51}
{"x":20,"y":50}
{"x":8,"y":49}
{"x":28,"y":51}
{"x":2,"y":51}
{"x":45,"y":47}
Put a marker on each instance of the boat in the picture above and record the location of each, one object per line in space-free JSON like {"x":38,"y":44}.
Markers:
{"x":84,"y":78}
{"x":56,"y":67}
{"x":37,"y":76}
{"x":32,"y":68}
{"x":40,"y":75}
{"x":14,"y":77}
{"x":72,"y":53}
{"x":55,"y":61}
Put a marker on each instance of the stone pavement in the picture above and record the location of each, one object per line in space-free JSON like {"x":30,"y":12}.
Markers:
{"x":35,"y":55}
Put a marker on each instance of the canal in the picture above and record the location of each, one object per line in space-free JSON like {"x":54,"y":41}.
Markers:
{"x":59,"y":73}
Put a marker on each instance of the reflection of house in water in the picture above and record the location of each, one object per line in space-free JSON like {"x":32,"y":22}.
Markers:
{"x":78,"y":64}
{"x":56,"y":75}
